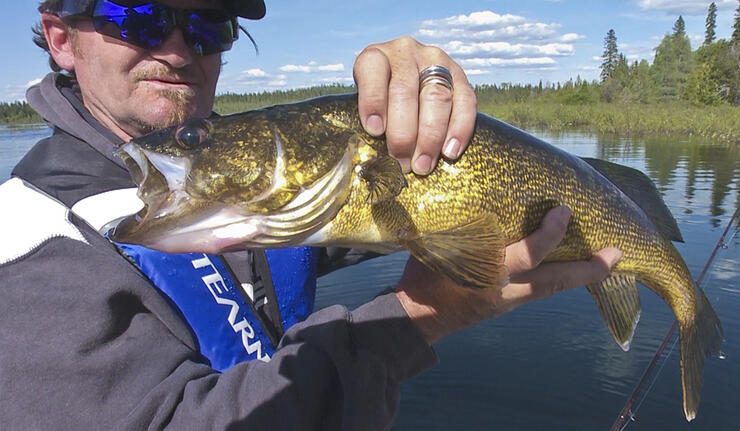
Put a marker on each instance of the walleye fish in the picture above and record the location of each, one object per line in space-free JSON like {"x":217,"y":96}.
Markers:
{"x":307,"y":174}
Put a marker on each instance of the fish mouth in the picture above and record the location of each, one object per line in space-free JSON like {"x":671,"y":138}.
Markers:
{"x":154,"y":172}
{"x":160,"y":180}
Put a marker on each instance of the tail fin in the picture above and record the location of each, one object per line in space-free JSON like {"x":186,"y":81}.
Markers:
{"x":698,"y":339}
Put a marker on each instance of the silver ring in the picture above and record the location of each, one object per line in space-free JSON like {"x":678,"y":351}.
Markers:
{"x":435,"y":74}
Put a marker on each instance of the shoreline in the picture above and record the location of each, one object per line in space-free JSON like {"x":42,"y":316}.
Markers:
{"x":711,"y":122}
{"x":630,"y":120}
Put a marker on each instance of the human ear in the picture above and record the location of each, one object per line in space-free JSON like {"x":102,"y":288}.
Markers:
{"x":58,"y":37}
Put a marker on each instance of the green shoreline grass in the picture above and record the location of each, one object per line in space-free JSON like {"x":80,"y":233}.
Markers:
{"x":715,"y":122}
{"x":674,"y":118}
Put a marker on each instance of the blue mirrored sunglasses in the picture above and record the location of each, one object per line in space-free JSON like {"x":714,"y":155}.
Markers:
{"x":147,"y":24}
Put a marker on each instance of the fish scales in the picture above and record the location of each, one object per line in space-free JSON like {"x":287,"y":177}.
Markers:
{"x":307,"y":173}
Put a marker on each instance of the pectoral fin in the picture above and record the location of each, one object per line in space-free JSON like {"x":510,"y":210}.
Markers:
{"x":384,"y":178}
{"x":471,"y":255}
{"x":619,"y":303}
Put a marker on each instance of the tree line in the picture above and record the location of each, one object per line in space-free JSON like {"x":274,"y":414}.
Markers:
{"x":232,"y":102}
{"x":18,"y":113}
{"x":709,"y":75}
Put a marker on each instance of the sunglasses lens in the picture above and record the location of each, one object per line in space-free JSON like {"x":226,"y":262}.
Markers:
{"x":209,"y":32}
{"x":147,"y":25}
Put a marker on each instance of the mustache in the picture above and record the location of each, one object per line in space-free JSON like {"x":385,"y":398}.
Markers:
{"x":165,"y":73}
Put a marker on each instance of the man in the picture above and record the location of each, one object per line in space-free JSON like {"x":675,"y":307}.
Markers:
{"x":103,"y":336}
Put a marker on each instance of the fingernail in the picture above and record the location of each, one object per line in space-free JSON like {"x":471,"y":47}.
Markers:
{"x":615,"y":258}
{"x":405,"y":165}
{"x":423,"y":164}
{"x":452,"y":149}
{"x":374,"y":125}
{"x":563,"y":213}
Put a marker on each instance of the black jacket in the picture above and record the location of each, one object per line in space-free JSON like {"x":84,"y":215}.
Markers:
{"x":89,"y":343}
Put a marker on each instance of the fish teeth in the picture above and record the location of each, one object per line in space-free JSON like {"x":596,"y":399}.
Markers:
{"x":174,"y":169}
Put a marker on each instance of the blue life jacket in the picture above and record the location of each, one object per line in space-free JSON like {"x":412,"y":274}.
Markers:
{"x":215,"y":305}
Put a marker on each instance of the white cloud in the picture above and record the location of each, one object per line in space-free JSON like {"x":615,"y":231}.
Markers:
{"x":16,"y":92}
{"x":476,"y":21}
{"x":570,"y":37}
{"x":696,"y":39}
{"x":251,"y":80}
{"x":312,"y":67}
{"x":485,"y":40}
{"x":471,"y":72}
{"x":507,"y":62}
{"x":295,"y":68}
{"x":520,"y":32}
{"x":339,"y":67}
{"x":684,"y":7}
{"x":506,"y":50}
{"x":490,"y":26}
{"x":254,"y":73}
{"x":638,"y":51}
{"x":286,"y":76}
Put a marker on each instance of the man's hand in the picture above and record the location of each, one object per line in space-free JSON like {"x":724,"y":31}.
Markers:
{"x":439,"y":307}
{"x":417,"y":126}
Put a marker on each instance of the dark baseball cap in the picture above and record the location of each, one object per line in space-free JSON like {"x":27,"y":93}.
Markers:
{"x":251,"y":9}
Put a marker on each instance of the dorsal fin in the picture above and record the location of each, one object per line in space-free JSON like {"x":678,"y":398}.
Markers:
{"x":641,"y":189}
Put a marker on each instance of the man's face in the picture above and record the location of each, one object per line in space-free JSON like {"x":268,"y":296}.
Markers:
{"x":132,"y":90}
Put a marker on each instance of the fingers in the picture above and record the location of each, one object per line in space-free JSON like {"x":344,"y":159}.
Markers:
{"x":372,"y":72}
{"x":529,"y":252}
{"x":435,"y":108}
{"x":418,"y":125}
{"x":462,"y":120}
{"x":446,"y":117}
{"x":550,"y":278}
{"x":438,"y":307}
{"x":387,"y":85}
{"x":403,"y":110}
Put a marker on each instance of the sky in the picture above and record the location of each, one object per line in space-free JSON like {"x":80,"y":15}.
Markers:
{"x":305,"y":43}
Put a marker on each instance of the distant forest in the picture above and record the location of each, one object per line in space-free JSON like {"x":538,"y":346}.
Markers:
{"x":709,"y":75}
{"x":18,"y":113}
{"x":678,"y":77}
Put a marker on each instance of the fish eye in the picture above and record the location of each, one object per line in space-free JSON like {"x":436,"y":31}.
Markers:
{"x":191,"y":134}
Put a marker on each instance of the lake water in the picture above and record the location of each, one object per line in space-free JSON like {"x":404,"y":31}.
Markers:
{"x":552,"y":364}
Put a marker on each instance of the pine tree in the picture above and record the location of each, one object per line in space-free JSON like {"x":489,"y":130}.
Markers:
{"x":711,"y":24}
{"x":679,"y":28}
{"x":736,"y":34}
{"x":672,"y":63}
{"x":610,"y":55}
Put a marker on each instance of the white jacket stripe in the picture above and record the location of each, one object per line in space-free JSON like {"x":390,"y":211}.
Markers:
{"x":101,"y":209}
{"x":29,"y":218}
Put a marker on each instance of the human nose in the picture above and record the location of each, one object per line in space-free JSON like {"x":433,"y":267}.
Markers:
{"x":174,"y":51}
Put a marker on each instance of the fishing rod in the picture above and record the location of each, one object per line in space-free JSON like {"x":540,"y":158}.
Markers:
{"x":626,"y":413}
